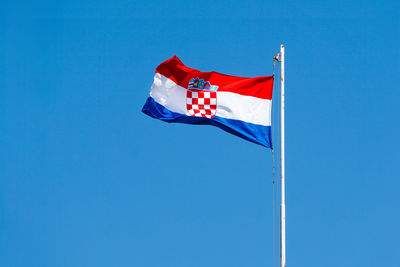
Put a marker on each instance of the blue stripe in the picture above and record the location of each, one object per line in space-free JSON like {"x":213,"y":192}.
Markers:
{"x":255,"y":133}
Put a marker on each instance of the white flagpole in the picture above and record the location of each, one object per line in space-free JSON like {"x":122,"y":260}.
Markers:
{"x":283,"y":208}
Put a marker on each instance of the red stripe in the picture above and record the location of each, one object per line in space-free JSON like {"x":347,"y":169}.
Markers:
{"x":175,"y":70}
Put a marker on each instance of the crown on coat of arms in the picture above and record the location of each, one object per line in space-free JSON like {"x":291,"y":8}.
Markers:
{"x":200,"y":84}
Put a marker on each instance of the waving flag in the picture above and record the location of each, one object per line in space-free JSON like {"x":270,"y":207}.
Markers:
{"x":238,"y":105}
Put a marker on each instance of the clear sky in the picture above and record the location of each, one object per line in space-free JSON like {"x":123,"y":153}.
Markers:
{"x":86,"y":179}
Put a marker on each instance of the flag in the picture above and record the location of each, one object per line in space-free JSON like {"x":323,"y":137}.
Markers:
{"x":238,"y":105}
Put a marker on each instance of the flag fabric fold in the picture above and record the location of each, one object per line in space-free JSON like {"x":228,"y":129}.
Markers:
{"x":238,"y":105}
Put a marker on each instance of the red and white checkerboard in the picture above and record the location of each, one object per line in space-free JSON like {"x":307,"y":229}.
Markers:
{"x":201,"y":103}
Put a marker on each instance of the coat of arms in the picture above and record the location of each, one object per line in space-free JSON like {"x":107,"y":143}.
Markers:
{"x":201,"y":98}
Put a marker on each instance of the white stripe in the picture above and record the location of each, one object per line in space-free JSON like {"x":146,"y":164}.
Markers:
{"x":229,"y":105}
{"x":167,"y":93}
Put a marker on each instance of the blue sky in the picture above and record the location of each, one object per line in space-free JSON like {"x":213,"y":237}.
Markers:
{"x":86,"y":179}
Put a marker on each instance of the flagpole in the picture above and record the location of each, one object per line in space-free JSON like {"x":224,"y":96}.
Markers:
{"x":283,"y":208}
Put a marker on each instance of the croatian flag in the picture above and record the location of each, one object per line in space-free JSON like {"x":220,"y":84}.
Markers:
{"x":240,"y":106}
